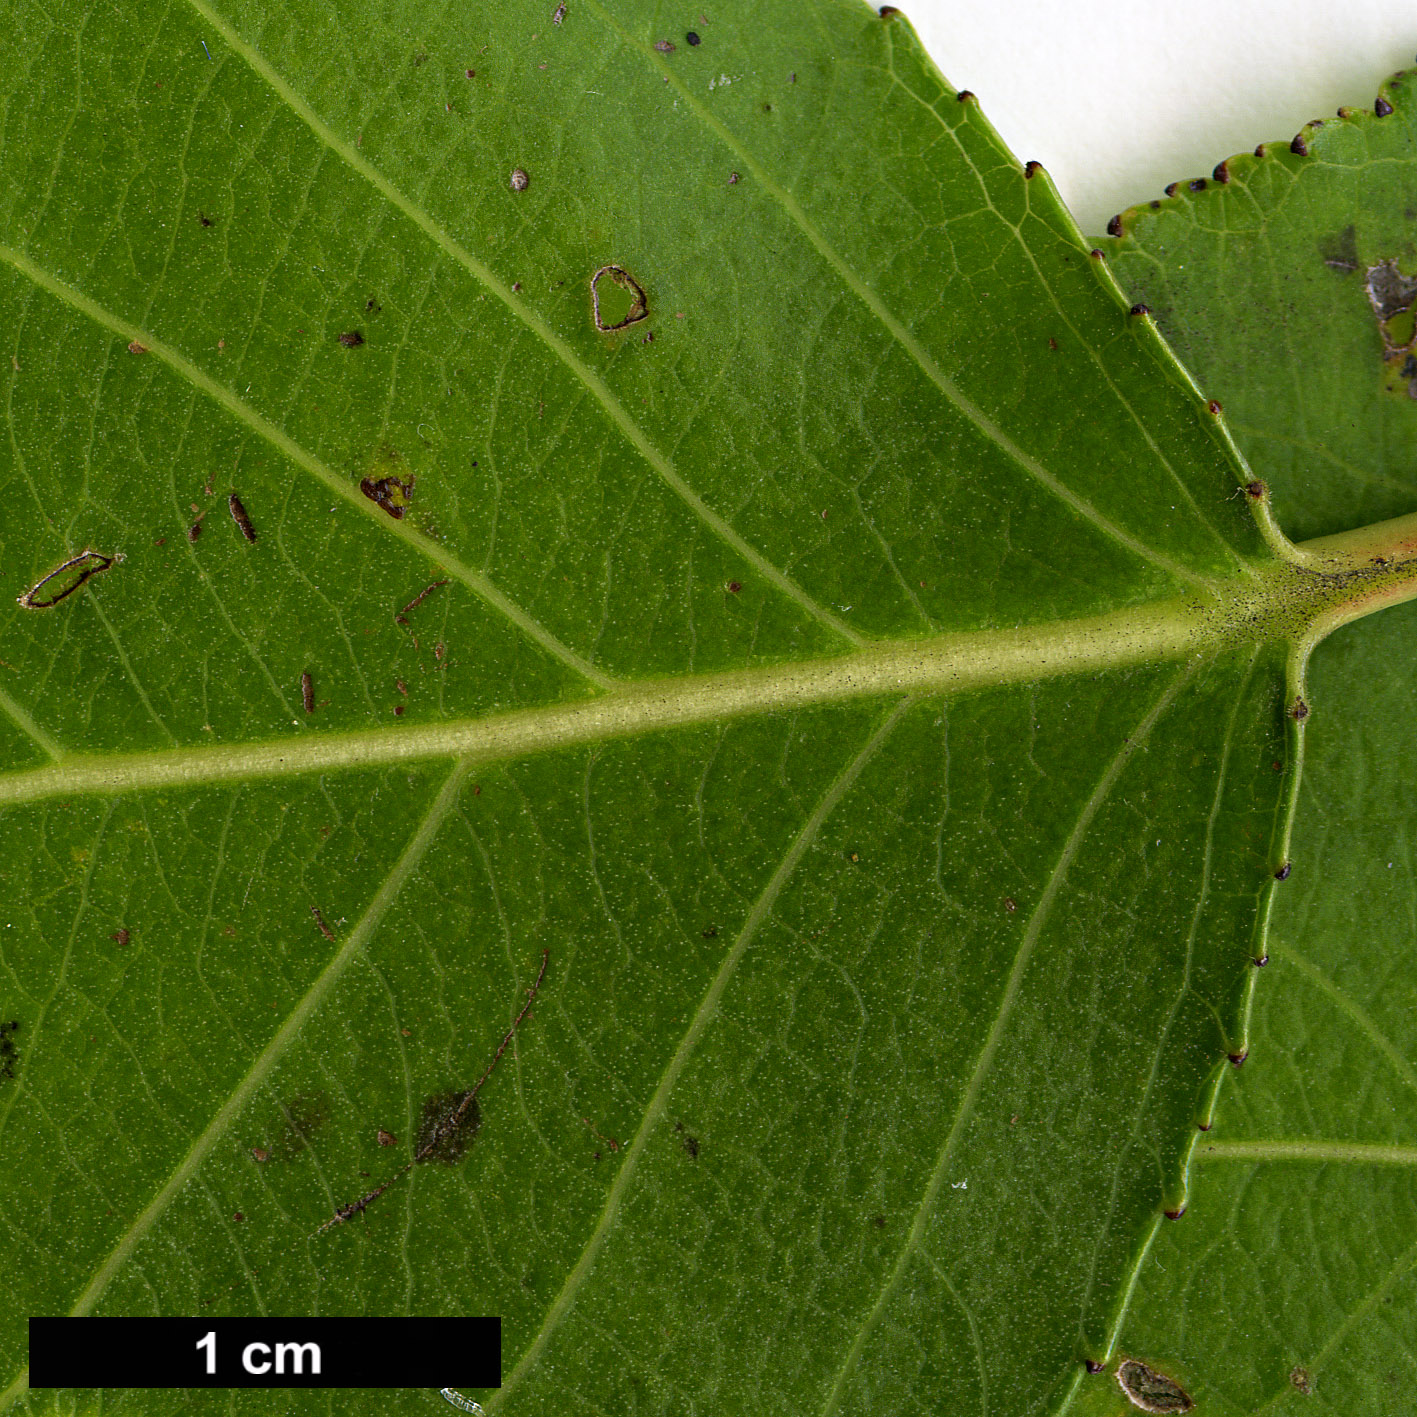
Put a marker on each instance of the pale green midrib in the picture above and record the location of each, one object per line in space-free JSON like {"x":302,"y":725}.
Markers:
{"x":899,"y":332}
{"x":1353,"y":1152}
{"x":339,"y":486}
{"x":946,"y":664}
{"x":698,"y":1025}
{"x":271,"y":1054}
{"x":484,"y":275}
{"x":1134,"y":743}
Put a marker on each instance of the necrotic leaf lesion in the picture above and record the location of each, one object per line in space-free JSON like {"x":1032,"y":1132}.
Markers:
{"x":618,"y":299}
{"x":64,"y":580}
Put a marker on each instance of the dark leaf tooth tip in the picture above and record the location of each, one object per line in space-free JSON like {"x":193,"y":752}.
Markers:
{"x":1095,"y":254}
{"x":1172,"y":188}
{"x":1283,"y":873}
{"x":1154,"y":204}
{"x":1198,"y":184}
{"x":1299,"y":147}
{"x":965,"y":96}
{"x":1031,"y":168}
{"x":1238,"y":1058}
{"x":1262,"y":150}
{"x":1174,"y":1214}
{"x":1381,"y":107}
{"x":1139,"y":309}
{"x":886,"y":11}
{"x":1221,"y":172}
{"x":1114,"y":227}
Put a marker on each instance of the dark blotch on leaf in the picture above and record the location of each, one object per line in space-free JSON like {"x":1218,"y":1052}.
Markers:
{"x":391,"y":493}
{"x":1140,"y":309}
{"x":121,"y":937}
{"x":1283,"y":873}
{"x":1114,"y":227}
{"x":238,"y":515}
{"x":1197,"y":184}
{"x":1381,"y":107}
{"x":8,"y":1053}
{"x":1150,"y":1390}
{"x":1255,"y":490}
{"x":965,"y":95}
{"x":693,"y":39}
{"x":300,"y":1119}
{"x":440,"y":1137}
{"x":1341,"y":251}
{"x":351,"y":339}
{"x":1094,"y":1367}
{"x":1299,"y":1377}
{"x":1174,"y":1214}
{"x":519,"y":180}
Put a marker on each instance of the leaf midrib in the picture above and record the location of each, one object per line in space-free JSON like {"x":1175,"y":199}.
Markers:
{"x":943,"y":664}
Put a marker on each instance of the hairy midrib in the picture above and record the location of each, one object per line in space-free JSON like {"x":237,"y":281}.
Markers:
{"x":1285,"y":602}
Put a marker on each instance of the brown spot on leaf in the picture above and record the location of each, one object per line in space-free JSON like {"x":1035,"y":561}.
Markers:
{"x":134,"y":347}
{"x":64,"y":580}
{"x":1340,"y":251}
{"x":351,"y":339}
{"x":613,"y":290}
{"x":238,"y":515}
{"x":121,"y":937}
{"x":1300,"y":1379}
{"x":300,"y":1119}
{"x":519,"y":180}
{"x":259,"y":1153}
{"x":386,"y":1138}
{"x":393,"y":494}
{"x":1149,"y":1390}
{"x":443,"y":1135}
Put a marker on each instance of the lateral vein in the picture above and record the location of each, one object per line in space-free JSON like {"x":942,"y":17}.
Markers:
{"x":900,"y":333}
{"x":698,"y":1025}
{"x":265,"y":1062}
{"x":474,"y":580}
{"x":484,"y":275}
{"x":1134,"y":743}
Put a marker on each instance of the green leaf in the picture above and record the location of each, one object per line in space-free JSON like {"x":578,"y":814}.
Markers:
{"x":1292,"y":1287}
{"x":874,"y":697}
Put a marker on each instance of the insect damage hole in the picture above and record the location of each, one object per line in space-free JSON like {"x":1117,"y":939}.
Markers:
{"x":618,"y":299}
{"x":1149,"y":1390}
{"x":64,"y":580}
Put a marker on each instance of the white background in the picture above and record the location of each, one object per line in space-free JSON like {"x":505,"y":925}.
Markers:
{"x":1116,"y":98}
